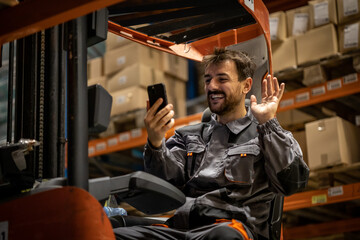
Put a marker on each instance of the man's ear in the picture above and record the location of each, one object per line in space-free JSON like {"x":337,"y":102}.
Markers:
{"x":247,"y":84}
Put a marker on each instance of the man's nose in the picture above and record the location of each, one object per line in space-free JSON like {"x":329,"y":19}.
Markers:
{"x":213,"y":85}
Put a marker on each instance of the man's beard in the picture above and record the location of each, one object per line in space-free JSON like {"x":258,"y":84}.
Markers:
{"x":229,"y":104}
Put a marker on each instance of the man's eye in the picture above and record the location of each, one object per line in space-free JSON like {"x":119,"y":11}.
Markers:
{"x":207,"y":81}
{"x":223,"y":79}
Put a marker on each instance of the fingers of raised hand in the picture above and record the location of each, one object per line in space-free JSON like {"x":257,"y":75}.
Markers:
{"x":270,"y":86}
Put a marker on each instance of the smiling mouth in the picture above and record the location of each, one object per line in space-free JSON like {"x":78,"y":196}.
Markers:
{"x":216,"y":96}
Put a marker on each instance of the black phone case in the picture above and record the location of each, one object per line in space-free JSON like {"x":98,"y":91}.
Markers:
{"x":155,"y":92}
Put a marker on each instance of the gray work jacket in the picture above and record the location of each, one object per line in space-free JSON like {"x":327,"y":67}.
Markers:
{"x":229,"y":171}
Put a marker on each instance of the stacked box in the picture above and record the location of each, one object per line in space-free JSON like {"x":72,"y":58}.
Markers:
{"x":95,"y":68}
{"x":300,"y":137}
{"x":322,"y":12}
{"x":128,"y":99}
{"x":98,"y":80}
{"x":332,"y":141}
{"x":293,"y":117}
{"x":114,"y":41}
{"x":284,"y":55}
{"x":130,"y":67}
{"x":349,"y":36}
{"x":316,"y":44}
{"x":176,"y":93}
{"x":348,"y":10}
{"x":298,"y":21}
{"x":175,"y":65}
{"x":313,"y":75}
{"x":95,"y":72}
{"x":119,"y":58}
{"x":134,"y":75}
{"x":277,"y":22}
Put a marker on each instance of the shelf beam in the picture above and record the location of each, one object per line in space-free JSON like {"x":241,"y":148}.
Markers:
{"x":322,"y":229}
{"x":133,"y":138}
{"x":322,"y":197}
{"x":32,"y":16}
{"x":329,"y":90}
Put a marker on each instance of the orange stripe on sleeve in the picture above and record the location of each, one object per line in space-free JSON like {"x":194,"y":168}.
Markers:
{"x":221,"y":220}
{"x":160,"y":225}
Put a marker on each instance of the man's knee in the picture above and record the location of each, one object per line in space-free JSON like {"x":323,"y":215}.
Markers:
{"x":223,"y":232}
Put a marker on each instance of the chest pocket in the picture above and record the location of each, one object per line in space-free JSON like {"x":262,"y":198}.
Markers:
{"x":239,"y":164}
{"x":195,"y":151}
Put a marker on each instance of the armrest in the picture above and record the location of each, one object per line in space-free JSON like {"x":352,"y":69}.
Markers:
{"x":145,"y":192}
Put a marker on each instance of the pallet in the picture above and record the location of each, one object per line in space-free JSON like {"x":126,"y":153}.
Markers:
{"x":332,"y":176}
{"x":125,"y":122}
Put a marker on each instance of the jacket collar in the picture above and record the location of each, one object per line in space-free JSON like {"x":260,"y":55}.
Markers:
{"x":239,"y":124}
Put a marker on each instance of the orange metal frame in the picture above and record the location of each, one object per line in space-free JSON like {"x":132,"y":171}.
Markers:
{"x":60,"y":213}
{"x":324,"y":92}
{"x":321,"y":197}
{"x":318,"y":198}
{"x":322,"y":229}
{"x":32,"y":16}
{"x":196,"y":50}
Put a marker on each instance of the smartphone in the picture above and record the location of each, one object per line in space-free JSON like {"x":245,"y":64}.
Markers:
{"x":155,"y":92}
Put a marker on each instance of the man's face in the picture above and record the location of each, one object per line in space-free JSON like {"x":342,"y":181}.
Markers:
{"x":223,"y":89}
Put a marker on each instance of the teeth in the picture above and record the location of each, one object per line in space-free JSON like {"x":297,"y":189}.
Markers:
{"x":214,"y":96}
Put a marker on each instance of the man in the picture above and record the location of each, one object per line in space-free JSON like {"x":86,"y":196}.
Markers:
{"x":231,"y":167}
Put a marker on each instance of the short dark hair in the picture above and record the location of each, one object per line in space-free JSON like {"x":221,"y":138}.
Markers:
{"x":244,"y":64}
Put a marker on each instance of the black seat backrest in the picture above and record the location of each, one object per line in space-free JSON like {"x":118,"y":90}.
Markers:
{"x":275,"y":217}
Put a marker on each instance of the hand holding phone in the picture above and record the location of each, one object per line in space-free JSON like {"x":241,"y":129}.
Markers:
{"x":157,"y":125}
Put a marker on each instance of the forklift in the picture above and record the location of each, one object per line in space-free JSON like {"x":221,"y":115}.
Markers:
{"x":45,"y":190}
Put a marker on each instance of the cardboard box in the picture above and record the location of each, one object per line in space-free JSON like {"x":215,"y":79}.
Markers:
{"x":300,"y":137}
{"x":277,"y":22}
{"x":348,"y":10}
{"x":314,"y":74}
{"x":128,"y":99}
{"x":349,"y":35}
{"x":114,"y":41}
{"x":176,"y":94}
{"x":316,"y":44}
{"x":332,"y":141}
{"x":95,"y":68}
{"x":322,"y":12}
{"x":98,"y":80}
{"x":283,"y":55}
{"x":175,"y":65}
{"x":298,"y":21}
{"x":293,"y":117}
{"x":117,"y":59}
{"x":135,"y":75}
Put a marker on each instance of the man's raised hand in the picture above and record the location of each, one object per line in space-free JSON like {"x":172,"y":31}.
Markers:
{"x":271,"y":94}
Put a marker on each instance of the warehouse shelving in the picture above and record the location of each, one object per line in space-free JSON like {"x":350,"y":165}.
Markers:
{"x":333,"y":89}
{"x":336,"y":88}
{"x":133,"y":138}
{"x":309,"y":199}
{"x":56,"y":12}
{"x":322,"y":197}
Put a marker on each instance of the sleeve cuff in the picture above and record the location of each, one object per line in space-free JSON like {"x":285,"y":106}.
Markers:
{"x":153,"y":147}
{"x":269,"y":126}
